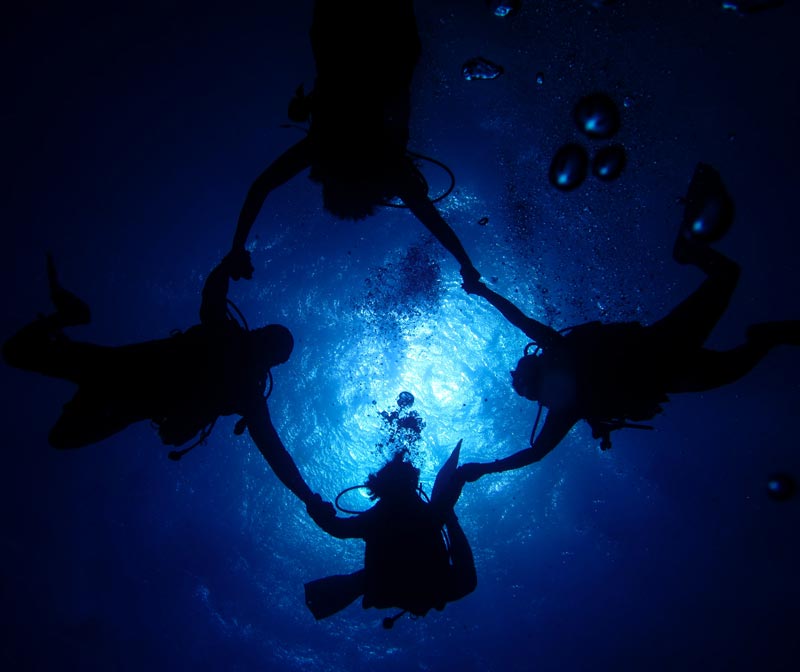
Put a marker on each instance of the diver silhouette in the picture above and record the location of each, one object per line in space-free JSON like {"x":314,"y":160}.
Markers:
{"x":359,"y":114}
{"x":614,"y":375}
{"x":408,"y":565}
{"x":182,"y":383}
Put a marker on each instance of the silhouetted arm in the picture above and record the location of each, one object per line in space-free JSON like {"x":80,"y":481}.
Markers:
{"x":355,"y":527}
{"x":294,"y":160}
{"x":269,"y":444}
{"x":214,"y":306}
{"x":413,"y":195}
{"x":555,"y":428}
{"x":545,"y":337}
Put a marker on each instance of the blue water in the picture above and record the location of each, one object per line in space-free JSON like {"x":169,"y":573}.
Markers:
{"x":129,"y":139}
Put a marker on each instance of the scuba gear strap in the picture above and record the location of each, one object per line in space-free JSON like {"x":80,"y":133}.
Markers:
{"x":418,"y":174}
{"x":423,"y":495}
{"x":176,"y":455}
{"x":601,"y":429}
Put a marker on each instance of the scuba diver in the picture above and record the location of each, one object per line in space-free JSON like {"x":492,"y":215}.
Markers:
{"x":616,"y":375}
{"x":359,"y":112}
{"x":182,"y":383}
{"x":409,"y":564}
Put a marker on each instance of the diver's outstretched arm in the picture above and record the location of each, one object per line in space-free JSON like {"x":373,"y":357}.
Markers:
{"x":545,"y":337}
{"x":414,"y":196}
{"x":269,"y":444}
{"x":294,"y":160}
{"x":555,"y":428}
{"x":355,"y":527}
{"x":214,"y":306}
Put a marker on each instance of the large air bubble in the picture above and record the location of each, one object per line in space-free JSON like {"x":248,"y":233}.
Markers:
{"x":569,"y":167}
{"x":597,"y":116}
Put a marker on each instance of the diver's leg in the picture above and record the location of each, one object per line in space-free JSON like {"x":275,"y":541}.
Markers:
{"x":414,"y":196}
{"x":41,"y":347}
{"x":708,"y":215}
{"x":86,"y":419}
{"x":31,"y":346}
{"x":709,"y":369}
{"x":689,"y":324}
{"x":463,"y":577}
{"x":293,"y":161}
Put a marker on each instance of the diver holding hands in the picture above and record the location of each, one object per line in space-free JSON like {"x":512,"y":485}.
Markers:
{"x":182,"y":383}
{"x":359,"y":110}
{"x":409,"y":562}
{"x":617,"y":375}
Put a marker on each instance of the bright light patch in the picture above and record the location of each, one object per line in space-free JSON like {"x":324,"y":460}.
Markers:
{"x":445,"y":362}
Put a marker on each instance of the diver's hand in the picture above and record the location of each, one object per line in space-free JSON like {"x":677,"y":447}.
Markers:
{"x":471,"y":280}
{"x":471,"y":472}
{"x":319,"y":509}
{"x":238,"y":264}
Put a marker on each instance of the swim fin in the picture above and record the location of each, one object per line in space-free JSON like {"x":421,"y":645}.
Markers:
{"x":70,"y":310}
{"x":325,"y":597}
{"x":445,"y":492}
{"x":786,"y":332}
{"x":709,"y":209}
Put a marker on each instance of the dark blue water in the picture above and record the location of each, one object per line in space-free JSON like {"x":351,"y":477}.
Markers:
{"x":129,"y":139}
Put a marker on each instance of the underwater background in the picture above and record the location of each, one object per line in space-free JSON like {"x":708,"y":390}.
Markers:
{"x":129,"y":139}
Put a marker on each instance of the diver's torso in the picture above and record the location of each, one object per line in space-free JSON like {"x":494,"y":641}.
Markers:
{"x":204,"y":370}
{"x":605,"y":371}
{"x":406,"y":561}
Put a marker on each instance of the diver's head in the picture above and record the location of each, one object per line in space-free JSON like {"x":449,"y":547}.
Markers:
{"x":272,"y":345}
{"x":350,"y":199}
{"x":397,"y":478}
{"x":525,"y":379}
{"x":358,"y":171}
{"x":350,"y":189}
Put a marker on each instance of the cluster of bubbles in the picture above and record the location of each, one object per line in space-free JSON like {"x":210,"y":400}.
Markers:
{"x":481,"y":68}
{"x":597,"y":117}
{"x":403,"y":426}
{"x":503,"y":7}
{"x":405,"y":288}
